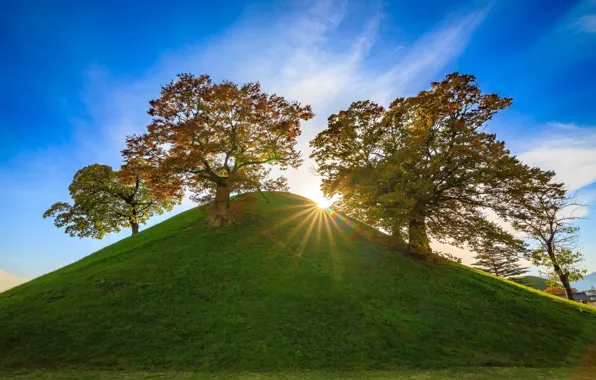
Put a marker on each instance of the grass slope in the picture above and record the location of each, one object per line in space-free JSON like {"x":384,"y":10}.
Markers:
{"x":290,"y":287}
{"x":535,"y":282}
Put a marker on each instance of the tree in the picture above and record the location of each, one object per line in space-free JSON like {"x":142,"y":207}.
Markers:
{"x":218,"y":138}
{"x":350,"y":154}
{"x":105,"y":201}
{"x":450,"y":256}
{"x":423,"y":167}
{"x":500,"y":259}
{"x":546,"y":216}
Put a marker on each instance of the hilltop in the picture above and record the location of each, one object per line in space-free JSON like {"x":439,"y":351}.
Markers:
{"x":290,"y":286}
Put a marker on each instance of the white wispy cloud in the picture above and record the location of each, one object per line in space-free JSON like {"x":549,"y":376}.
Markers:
{"x":8,"y":280}
{"x":569,"y":150}
{"x":429,"y":56}
{"x":587,"y":24}
{"x":305,"y":56}
{"x":581,"y":18}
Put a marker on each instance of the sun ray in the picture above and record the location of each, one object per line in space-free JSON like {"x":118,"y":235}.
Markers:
{"x":295,"y":229}
{"x":335,"y":221}
{"x":320,"y":217}
{"x":306,"y":236}
{"x":299,"y":226}
{"x":292,"y":217}
{"x":300,"y":206}
{"x":335,"y":257}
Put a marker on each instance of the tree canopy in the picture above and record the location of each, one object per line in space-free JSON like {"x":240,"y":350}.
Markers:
{"x":500,"y":259}
{"x":546,"y":216}
{"x":106,"y":201}
{"x":219,"y":138}
{"x":424,"y":166}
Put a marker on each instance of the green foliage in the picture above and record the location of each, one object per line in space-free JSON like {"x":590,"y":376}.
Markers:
{"x":424,"y":166}
{"x":106,"y":201}
{"x":570,"y":262}
{"x":546,"y":216}
{"x":289,"y":288}
{"x":500,"y":260}
{"x":501,"y":257}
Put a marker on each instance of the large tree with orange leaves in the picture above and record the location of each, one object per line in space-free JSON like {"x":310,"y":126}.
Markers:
{"x":218,"y":138}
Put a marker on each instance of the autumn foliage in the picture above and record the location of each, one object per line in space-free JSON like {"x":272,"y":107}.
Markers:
{"x":218,"y":138}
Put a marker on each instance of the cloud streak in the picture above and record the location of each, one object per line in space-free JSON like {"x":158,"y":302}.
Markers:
{"x":587,"y":24}
{"x":569,"y":150}
{"x":309,"y":56}
{"x":582,"y":17}
{"x":429,"y":56}
{"x":8,"y":280}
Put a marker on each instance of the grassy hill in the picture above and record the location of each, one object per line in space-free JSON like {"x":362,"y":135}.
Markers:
{"x":289,"y":287}
{"x":535,"y":282}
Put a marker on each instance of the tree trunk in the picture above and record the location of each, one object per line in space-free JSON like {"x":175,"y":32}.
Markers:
{"x":418,"y":244}
{"x":397,"y":237}
{"x":135,"y":227}
{"x":220,"y":213}
{"x":565,"y":281}
{"x":564,"y":277}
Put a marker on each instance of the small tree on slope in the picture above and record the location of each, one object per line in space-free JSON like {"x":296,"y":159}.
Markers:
{"x":219,"y":137}
{"x":424,"y":166}
{"x":500,"y":260}
{"x":546,"y":217}
{"x":106,"y":201}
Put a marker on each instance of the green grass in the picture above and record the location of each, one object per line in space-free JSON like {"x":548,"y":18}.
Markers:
{"x":445,"y":374}
{"x":535,"y":282}
{"x":287,"y":288}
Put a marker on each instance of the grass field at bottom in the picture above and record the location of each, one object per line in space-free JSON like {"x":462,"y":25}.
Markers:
{"x":459,"y":374}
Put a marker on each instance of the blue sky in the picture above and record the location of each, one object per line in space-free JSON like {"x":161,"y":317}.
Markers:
{"x":77,"y":77}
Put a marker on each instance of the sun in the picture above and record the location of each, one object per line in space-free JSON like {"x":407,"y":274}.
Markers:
{"x":316,"y":195}
{"x":323,"y":202}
